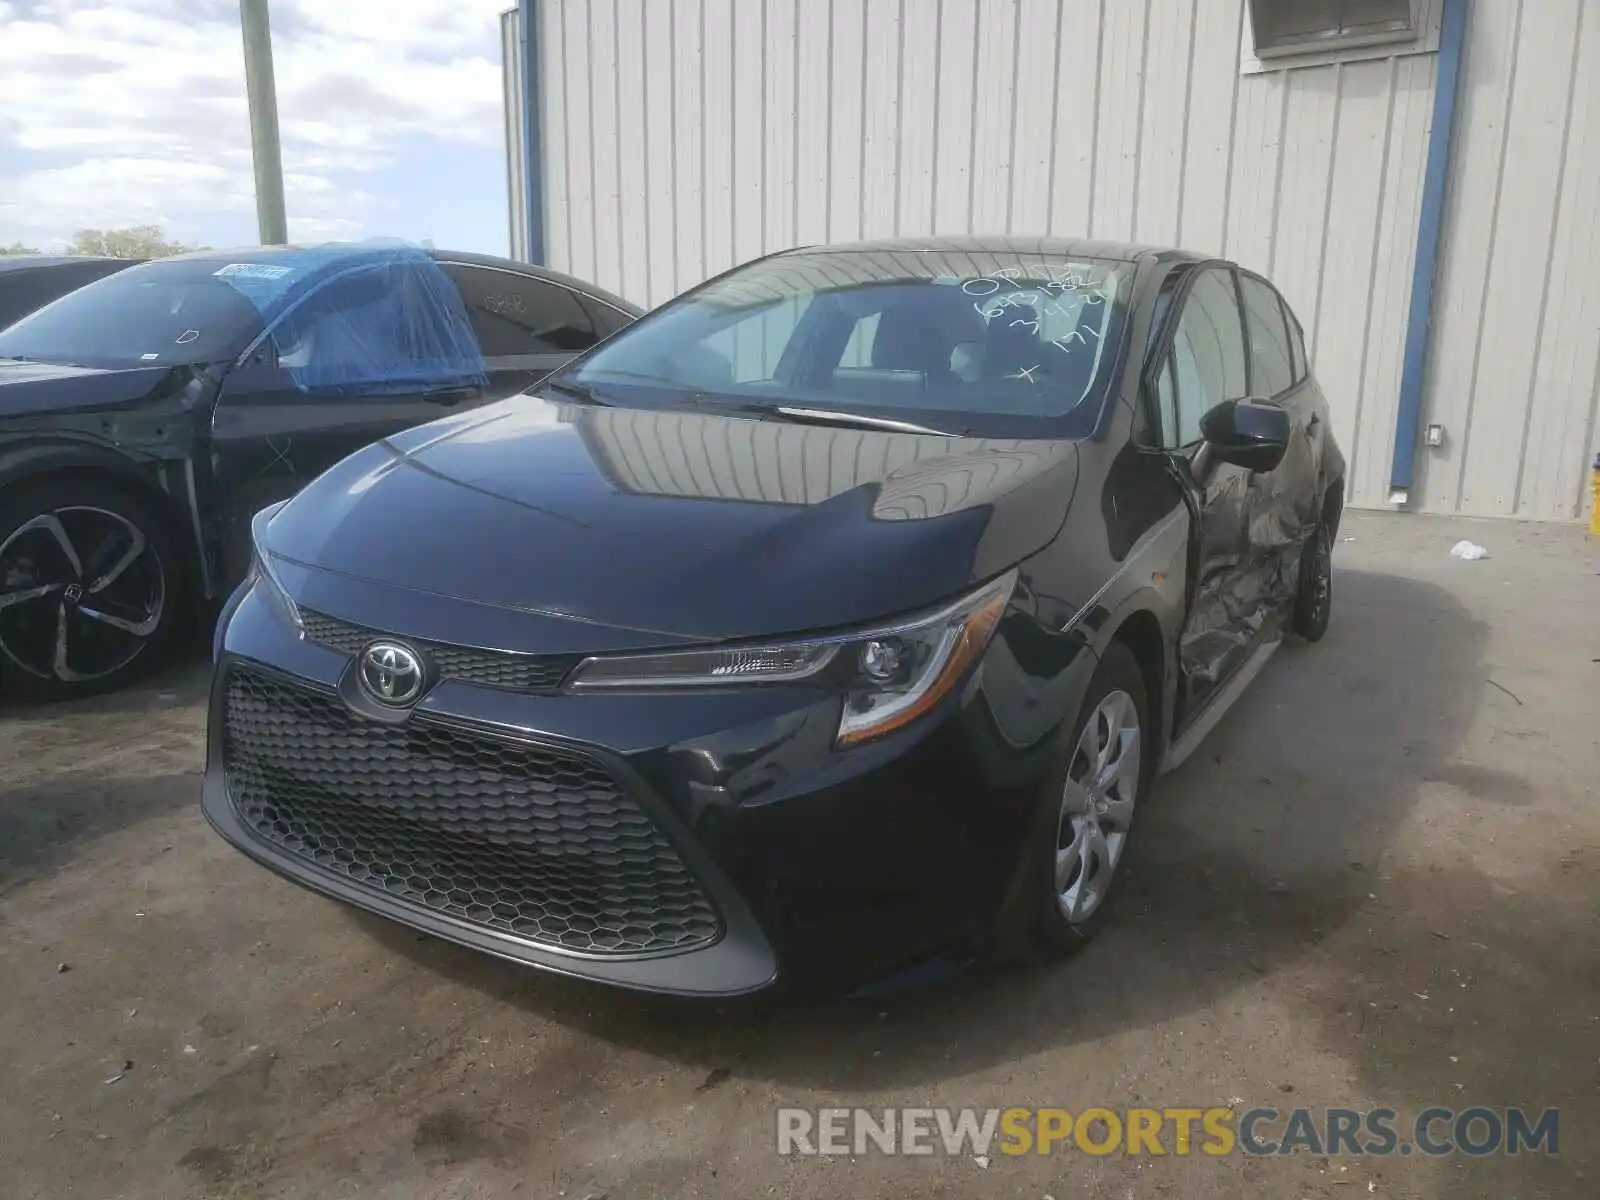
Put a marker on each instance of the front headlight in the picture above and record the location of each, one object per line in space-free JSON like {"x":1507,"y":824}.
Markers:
{"x":889,"y":675}
{"x":262,"y":571}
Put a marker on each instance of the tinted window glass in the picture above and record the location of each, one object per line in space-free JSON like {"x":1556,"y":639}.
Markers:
{"x":155,"y":314}
{"x":1297,"y":343}
{"x":606,"y":320}
{"x":22,"y":290}
{"x":1207,"y":357}
{"x":1003,"y":340}
{"x":1271,"y":368}
{"x":516,"y":314}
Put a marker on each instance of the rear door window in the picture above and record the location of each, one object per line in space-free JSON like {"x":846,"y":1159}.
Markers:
{"x":515,"y":314}
{"x":606,"y":320}
{"x":1271,"y":361}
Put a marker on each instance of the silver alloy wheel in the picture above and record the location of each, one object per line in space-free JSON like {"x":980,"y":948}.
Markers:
{"x":81,"y":591}
{"x":1097,"y":802}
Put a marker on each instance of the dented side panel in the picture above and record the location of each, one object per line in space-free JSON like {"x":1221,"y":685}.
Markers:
{"x":1254,"y":526}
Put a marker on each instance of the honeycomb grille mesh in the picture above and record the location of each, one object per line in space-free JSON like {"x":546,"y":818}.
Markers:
{"x":487,"y":668}
{"x":333,"y":633}
{"x":524,"y":840}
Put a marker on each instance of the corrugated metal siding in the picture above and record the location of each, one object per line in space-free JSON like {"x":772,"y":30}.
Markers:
{"x":684,"y":136}
{"x":516,"y":171}
{"x":1513,"y":374}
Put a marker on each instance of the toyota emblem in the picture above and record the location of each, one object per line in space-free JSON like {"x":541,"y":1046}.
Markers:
{"x":391,"y":673}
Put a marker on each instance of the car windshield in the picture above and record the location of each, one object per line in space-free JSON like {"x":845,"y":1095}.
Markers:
{"x":157,"y":314}
{"x":999,"y":344}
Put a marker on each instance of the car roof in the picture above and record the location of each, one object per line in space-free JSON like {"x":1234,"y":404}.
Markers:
{"x":377,"y":249}
{"x":34,"y":262}
{"x":1053,"y":247}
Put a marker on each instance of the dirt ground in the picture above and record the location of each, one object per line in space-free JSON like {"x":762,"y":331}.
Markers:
{"x":1378,"y":883}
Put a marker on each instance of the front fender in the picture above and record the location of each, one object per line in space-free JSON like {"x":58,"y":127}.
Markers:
{"x":166,"y":482}
{"x":22,"y":458}
{"x":1149,"y":585}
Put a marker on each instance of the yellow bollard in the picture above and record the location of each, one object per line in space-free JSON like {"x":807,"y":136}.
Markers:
{"x":1594,"y":513}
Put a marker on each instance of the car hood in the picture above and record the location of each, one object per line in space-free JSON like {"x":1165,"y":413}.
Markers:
{"x":677,"y":523}
{"x":32,"y":388}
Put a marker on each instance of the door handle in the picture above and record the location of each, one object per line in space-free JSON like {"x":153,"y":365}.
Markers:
{"x":448,"y":396}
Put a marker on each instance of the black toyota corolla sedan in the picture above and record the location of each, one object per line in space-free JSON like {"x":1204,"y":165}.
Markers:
{"x":834,"y":616}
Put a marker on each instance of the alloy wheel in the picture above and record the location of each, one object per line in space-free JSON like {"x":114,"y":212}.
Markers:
{"x":82,"y":590}
{"x":1097,"y":802}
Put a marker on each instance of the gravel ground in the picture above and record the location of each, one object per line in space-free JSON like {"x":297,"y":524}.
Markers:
{"x":1377,"y":883}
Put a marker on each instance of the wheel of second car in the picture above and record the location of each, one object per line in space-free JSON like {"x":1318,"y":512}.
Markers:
{"x":1084,"y":819}
{"x":88,"y":589}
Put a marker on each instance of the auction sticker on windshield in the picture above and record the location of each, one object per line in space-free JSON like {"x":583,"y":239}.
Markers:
{"x":251,"y":271}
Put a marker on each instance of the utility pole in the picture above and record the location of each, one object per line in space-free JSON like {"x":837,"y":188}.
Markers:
{"x":263,"y":96}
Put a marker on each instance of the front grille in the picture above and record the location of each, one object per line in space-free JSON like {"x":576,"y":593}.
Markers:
{"x":334,"y":633}
{"x":487,"y":668}
{"x":523,"y":839}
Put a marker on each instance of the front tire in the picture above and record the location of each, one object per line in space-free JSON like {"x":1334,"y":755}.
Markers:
{"x":89,"y":588}
{"x":1084,"y":819}
{"x":1313,"y":599}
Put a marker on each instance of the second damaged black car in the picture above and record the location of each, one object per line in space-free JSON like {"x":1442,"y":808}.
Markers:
{"x":835,"y":615}
{"x":147,"y":416}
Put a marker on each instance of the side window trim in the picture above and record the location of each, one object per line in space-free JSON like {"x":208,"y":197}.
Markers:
{"x":1244,"y":330}
{"x":608,"y":320}
{"x":590,"y":298}
{"x":1298,"y":369}
{"x":1297,"y":372}
{"x":1169,"y":368}
{"x":1297,"y":342}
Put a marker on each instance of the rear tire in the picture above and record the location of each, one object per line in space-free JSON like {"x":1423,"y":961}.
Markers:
{"x":1083,"y":821}
{"x":90,"y":588}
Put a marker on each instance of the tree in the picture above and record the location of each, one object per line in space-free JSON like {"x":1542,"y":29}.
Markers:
{"x":138,"y":241}
{"x":17,"y":248}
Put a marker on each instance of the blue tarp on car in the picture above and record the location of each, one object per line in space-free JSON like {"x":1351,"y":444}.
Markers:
{"x":376,"y":317}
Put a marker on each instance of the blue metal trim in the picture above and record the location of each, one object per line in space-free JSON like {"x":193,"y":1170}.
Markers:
{"x":1419,"y":324}
{"x":532,"y":159}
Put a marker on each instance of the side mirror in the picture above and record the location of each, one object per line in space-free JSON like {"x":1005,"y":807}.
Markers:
{"x":1246,"y":433}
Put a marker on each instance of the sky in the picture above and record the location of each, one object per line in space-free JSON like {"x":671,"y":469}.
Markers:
{"x":132,"y":112}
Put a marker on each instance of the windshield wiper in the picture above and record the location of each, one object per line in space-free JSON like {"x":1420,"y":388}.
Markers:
{"x":828,"y":416}
{"x":578,"y":392}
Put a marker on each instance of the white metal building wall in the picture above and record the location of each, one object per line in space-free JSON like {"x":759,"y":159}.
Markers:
{"x":684,"y":136}
{"x":516,"y":118}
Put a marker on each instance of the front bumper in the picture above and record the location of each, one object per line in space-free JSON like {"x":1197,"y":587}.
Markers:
{"x":824,"y":868}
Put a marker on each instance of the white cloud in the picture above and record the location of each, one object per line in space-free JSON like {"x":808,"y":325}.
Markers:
{"x":134,"y":110}
{"x":323,"y":229}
